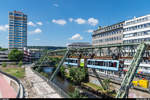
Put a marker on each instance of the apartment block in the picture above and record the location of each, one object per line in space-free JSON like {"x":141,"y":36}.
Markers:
{"x":17,"y":30}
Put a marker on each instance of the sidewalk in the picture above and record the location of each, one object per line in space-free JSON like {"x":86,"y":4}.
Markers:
{"x":6,"y":91}
{"x":37,"y":85}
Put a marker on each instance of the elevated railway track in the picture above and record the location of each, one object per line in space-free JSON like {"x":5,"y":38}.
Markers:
{"x":135,"y":52}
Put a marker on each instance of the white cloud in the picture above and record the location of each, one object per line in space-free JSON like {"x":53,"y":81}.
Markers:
{"x":76,"y":37}
{"x":90,"y":31}
{"x":56,"y":5}
{"x":36,"y":31}
{"x":93,"y":21}
{"x":59,"y":21}
{"x":80,"y":21}
{"x":70,"y":19}
{"x":4,"y":27}
{"x":31,"y":23}
{"x":39,"y":23}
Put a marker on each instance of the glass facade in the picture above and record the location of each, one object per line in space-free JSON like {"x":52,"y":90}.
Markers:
{"x":17,"y":30}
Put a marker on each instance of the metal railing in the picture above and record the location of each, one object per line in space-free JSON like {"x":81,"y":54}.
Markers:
{"x":20,"y":92}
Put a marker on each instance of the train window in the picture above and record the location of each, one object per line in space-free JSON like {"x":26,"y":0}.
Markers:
{"x":114,"y":64}
{"x":104,"y":63}
{"x":96,"y":62}
{"x":89,"y":63}
{"x":109,"y":64}
{"x":101,"y":63}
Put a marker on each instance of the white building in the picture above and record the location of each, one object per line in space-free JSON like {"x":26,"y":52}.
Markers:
{"x":137,"y":30}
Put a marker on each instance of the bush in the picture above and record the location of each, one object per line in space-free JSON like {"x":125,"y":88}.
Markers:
{"x":4,"y":64}
{"x":20,"y":63}
{"x":77,"y":94}
{"x":78,"y":75}
{"x":62,"y":71}
{"x":15,"y":55}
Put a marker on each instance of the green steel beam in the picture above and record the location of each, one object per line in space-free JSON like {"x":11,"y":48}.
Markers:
{"x":125,"y":85}
{"x":93,"y":47}
{"x":60,"y":64}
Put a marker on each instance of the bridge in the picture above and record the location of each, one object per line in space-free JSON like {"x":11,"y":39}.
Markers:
{"x":135,"y":52}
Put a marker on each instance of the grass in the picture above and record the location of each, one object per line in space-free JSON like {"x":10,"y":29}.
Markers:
{"x":93,"y":86}
{"x":99,"y":88}
{"x":15,"y":71}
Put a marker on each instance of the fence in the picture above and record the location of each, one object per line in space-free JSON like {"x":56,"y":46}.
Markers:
{"x":20,"y":93}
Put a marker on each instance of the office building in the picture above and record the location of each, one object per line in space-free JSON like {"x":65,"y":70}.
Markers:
{"x":17,"y":30}
{"x":112,"y":34}
{"x":137,"y":30}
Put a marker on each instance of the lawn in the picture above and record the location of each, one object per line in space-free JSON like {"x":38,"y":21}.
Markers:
{"x":18,"y":72}
{"x":93,"y":86}
{"x":100,"y":89}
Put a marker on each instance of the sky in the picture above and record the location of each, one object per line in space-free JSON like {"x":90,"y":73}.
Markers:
{"x":60,"y":22}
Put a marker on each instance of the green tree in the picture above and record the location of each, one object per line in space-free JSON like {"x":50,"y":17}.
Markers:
{"x":77,"y":74}
{"x":20,"y":63}
{"x":62,"y":71}
{"x":107,"y":83}
{"x":77,"y":94}
{"x":4,"y":64}
{"x":15,"y":55}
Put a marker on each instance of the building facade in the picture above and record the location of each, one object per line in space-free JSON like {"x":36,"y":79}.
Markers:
{"x":17,"y":30}
{"x":137,"y":30}
{"x":112,"y":34}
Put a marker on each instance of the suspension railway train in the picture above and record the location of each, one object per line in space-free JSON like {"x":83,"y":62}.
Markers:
{"x":110,"y":65}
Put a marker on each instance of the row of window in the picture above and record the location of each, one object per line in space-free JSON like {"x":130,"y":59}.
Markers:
{"x":108,"y":39}
{"x":137,"y":34}
{"x":118,"y":31}
{"x":71,"y":61}
{"x":102,"y":63}
{"x":137,"y":27}
{"x":18,"y":21}
{"x":136,"y":40}
{"x":138,"y":20}
{"x":113,"y":27}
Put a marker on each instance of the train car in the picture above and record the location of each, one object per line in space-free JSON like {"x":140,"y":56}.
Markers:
{"x":112,"y":65}
{"x":71,"y":61}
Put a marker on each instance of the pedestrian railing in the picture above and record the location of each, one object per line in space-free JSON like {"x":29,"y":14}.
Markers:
{"x":20,"y":92}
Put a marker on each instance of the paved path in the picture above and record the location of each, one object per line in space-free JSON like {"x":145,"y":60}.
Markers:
{"x":40,"y":88}
{"x":6,"y":91}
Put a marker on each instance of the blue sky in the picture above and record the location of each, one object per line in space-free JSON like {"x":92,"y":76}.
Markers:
{"x":59,"y":22}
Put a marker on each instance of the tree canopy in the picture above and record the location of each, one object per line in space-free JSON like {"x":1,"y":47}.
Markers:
{"x":15,"y":55}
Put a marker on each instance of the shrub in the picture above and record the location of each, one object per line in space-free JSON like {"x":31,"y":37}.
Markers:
{"x":20,"y":63}
{"x":4,"y":64}
{"x":15,"y":55}
{"x":77,"y":75}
